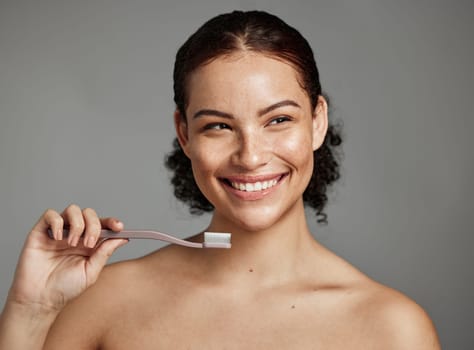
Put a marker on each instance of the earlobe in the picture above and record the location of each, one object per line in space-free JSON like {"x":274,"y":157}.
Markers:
{"x":320,"y":122}
{"x":181,"y":131}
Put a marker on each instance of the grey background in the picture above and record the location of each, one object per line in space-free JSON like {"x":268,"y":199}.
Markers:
{"x":86,"y":117}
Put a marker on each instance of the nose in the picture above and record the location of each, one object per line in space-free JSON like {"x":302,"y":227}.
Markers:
{"x":252,"y":151}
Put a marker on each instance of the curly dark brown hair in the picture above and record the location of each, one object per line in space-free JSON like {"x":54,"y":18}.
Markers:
{"x":261,"y":32}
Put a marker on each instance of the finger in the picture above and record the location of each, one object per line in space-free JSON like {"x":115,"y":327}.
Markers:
{"x":99,"y":258}
{"x":92,"y":227}
{"x":111,"y":223}
{"x":73,"y":218}
{"x":50,"y":220}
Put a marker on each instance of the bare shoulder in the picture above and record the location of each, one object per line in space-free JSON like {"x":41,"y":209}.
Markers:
{"x":396,"y":321}
{"x":107,"y":302}
{"x":377,"y":316}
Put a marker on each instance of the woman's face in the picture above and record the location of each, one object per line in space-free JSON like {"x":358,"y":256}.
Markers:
{"x":250,"y":135}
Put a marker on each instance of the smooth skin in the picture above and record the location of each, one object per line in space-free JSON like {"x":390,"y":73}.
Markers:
{"x":247,"y":120}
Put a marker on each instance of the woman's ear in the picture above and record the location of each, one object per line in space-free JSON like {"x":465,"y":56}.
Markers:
{"x":320,"y":122}
{"x":181,"y":131}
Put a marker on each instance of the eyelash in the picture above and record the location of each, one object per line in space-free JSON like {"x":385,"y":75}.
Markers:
{"x":222,"y":126}
{"x":216,"y":126}
{"x":279,"y":120}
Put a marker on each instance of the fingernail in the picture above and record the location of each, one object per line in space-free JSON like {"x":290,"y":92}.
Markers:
{"x":75,"y":241}
{"x":90,"y":242}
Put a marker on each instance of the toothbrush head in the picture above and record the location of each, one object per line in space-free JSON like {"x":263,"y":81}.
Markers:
{"x":216,"y":240}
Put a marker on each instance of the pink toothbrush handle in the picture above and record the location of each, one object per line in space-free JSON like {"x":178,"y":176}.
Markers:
{"x":139,"y":234}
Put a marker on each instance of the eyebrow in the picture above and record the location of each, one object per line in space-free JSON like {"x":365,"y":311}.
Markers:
{"x":202,"y":112}
{"x":261,"y":112}
{"x":278,"y":105}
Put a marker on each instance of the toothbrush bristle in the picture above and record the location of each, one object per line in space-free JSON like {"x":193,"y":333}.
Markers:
{"x":217,"y":240}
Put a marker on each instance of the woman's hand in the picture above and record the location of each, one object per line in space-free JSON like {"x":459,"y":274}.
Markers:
{"x":52,"y":272}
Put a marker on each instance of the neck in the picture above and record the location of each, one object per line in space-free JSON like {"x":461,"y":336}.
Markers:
{"x":270,"y":256}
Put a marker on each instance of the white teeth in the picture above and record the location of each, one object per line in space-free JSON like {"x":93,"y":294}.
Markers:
{"x":252,"y":187}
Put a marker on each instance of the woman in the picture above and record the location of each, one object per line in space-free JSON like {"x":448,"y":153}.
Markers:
{"x":252,"y":123}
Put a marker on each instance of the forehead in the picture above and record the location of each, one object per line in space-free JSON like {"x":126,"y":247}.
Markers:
{"x":246,"y":75}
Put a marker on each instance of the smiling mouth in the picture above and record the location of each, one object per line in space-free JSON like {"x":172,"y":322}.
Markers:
{"x":253,"y":186}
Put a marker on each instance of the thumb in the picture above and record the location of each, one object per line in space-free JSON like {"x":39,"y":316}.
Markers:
{"x":97,"y":261}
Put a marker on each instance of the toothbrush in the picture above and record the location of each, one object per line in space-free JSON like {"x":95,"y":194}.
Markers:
{"x":211,"y":239}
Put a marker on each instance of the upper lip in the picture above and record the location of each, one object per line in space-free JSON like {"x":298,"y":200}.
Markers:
{"x":253,"y":178}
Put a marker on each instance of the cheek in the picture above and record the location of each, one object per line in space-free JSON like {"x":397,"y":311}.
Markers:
{"x":204,"y":159}
{"x":297,"y":149}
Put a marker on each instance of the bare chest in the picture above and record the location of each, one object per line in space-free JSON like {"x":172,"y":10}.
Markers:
{"x":262,"y":324}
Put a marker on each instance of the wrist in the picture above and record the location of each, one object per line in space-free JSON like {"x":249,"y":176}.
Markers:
{"x":19,"y":319}
{"x":30,"y":310}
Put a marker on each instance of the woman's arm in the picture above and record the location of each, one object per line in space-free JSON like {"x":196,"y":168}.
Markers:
{"x":50,"y":273}
{"x":24,"y":326}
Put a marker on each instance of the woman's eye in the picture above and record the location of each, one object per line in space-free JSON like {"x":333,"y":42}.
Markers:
{"x":279,"y":120}
{"x":216,"y":126}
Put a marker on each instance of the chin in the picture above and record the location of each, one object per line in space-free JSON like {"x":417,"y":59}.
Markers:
{"x":253,"y":219}
{"x":255,"y":226}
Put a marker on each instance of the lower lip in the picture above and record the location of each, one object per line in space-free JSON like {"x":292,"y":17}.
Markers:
{"x":254,"y":195}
